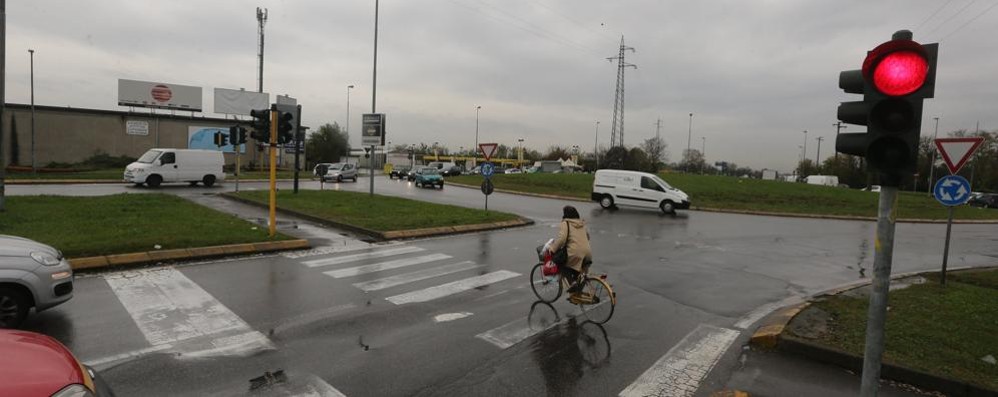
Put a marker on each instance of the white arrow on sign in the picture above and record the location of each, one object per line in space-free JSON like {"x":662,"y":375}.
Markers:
{"x":956,"y":151}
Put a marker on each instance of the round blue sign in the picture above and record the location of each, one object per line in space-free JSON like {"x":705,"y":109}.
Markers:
{"x":952,"y":190}
{"x":488,"y":169}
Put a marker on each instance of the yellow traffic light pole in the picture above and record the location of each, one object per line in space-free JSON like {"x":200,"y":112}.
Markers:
{"x":273,"y":172}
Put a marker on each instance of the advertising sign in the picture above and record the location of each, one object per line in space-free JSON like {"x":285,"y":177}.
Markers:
{"x":204,"y":138}
{"x":239,"y":102}
{"x":373,"y":130}
{"x":158,"y":95}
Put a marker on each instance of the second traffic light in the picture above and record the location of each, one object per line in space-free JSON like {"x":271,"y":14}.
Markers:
{"x":221,"y":139}
{"x":261,"y":125}
{"x":237,"y":135}
{"x":285,"y":130}
{"x":896,"y":77}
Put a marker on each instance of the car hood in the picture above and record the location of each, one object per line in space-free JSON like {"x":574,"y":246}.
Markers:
{"x":434,"y":176}
{"x":35,"y":365}
{"x":19,"y":246}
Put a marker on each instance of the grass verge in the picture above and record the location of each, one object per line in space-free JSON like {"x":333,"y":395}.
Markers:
{"x":378,"y":213}
{"x":939,"y":330}
{"x":747,"y":194}
{"x":123,"y":223}
{"x":113,"y":173}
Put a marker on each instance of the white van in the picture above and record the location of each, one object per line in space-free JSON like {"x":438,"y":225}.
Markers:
{"x":823,"y":180}
{"x":176,"y":165}
{"x":637,"y":189}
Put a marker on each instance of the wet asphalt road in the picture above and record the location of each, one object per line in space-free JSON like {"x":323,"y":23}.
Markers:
{"x":673,"y":275}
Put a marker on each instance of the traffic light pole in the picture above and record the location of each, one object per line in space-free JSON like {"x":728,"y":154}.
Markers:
{"x":370,"y":165}
{"x":297,"y":143}
{"x":239,"y":148}
{"x":273,"y":171}
{"x":876,"y":317}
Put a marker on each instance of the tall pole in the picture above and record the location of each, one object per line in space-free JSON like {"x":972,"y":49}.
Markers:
{"x":689,"y":138}
{"x":3,"y":86}
{"x":272,"y":227}
{"x":838,"y":129}
{"x":932,"y":163}
{"x":617,"y":129}
{"x":877,"y":315}
{"x":374,"y":90}
{"x":805,"y":146}
{"x":817,"y":156}
{"x":297,"y":145}
{"x":349,"y":87}
{"x":596,"y":145}
{"x":34,"y":168}
{"x":261,"y":18}
{"x":704,"y":154}
{"x":475,"y":149}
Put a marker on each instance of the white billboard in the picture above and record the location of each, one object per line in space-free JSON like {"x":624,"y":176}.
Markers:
{"x":158,"y":95}
{"x":240,"y":101}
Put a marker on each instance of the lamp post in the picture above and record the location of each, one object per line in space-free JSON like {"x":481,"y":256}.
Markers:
{"x":34,"y":169}
{"x":477,"y":109}
{"x":704,"y":154}
{"x":519,"y":155}
{"x":689,"y":137}
{"x":349,"y":87}
{"x":932,"y":163}
{"x":596,"y":146}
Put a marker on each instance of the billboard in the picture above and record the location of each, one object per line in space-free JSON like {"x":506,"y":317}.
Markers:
{"x":373,"y":130}
{"x":158,"y":95}
{"x":240,"y":101}
{"x":204,"y":138}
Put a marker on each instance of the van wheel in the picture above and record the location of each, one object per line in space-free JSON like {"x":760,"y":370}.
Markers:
{"x":668,"y":207}
{"x":208,"y":181}
{"x":154,"y":180}
{"x":13,"y":307}
{"x":606,"y":202}
{"x":339,"y":179}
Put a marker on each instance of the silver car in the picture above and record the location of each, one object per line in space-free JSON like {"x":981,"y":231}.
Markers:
{"x":340,"y":171}
{"x":32,"y":274}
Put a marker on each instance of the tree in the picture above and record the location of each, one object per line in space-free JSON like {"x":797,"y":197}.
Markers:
{"x":849,"y":169}
{"x":557,"y":153}
{"x":637,"y":160}
{"x":807,"y":167}
{"x":327,"y":145}
{"x":655,"y":148}
{"x":614,"y":158}
{"x":693,"y":161}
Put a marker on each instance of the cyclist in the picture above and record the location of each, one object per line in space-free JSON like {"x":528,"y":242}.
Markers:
{"x":572,"y":234}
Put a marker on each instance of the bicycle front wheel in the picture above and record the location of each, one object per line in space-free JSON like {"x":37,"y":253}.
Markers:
{"x":547,"y":288}
{"x":600,"y":309}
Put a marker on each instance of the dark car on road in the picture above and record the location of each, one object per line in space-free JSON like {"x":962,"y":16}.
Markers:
{"x":984,"y":201}
{"x":453,"y":170}
{"x":429,"y":176}
{"x":400,"y":172}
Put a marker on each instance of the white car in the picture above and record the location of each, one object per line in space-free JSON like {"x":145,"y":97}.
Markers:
{"x":32,"y":274}
{"x":637,"y":189}
{"x":176,"y":165}
{"x":514,"y":171}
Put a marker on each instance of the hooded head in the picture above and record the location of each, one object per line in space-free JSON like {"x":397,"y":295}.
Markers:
{"x":569,"y":212}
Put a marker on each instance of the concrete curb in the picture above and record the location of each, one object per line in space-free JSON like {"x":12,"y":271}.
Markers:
{"x":770,"y":335}
{"x":135,"y":258}
{"x":113,"y":181}
{"x":392,"y":234}
{"x":763,"y":213}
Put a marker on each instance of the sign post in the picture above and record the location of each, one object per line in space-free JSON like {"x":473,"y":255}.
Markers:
{"x":373,"y":135}
{"x":488,"y":149}
{"x":953,"y":190}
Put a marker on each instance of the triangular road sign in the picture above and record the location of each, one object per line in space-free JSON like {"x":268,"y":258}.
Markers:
{"x":956,"y":151}
{"x":488,"y":149}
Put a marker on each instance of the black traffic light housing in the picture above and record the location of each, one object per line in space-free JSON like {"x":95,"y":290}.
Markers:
{"x":261,"y":125}
{"x":221,"y":139}
{"x":237,"y":135}
{"x":285,"y":130}
{"x":896,"y":77}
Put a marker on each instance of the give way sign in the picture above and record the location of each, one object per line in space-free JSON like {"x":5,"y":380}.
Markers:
{"x":956,"y":151}
{"x":488,"y":149}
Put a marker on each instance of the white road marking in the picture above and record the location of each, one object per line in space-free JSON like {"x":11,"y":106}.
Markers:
{"x":442,"y":318}
{"x":334,"y":249}
{"x":311,"y":317}
{"x":358,"y":257}
{"x":99,"y":363}
{"x":764,"y":310}
{"x":680,"y":371}
{"x":509,"y":334}
{"x":378,"y":267}
{"x":451,"y":288}
{"x":388,"y":282}
{"x":173,"y":311}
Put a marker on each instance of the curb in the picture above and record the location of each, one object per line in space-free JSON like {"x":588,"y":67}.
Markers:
{"x":763,"y":213}
{"x":770,"y":335}
{"x":112,"y":181}
{"x":135,"y":258}
{"x":392,"y":234}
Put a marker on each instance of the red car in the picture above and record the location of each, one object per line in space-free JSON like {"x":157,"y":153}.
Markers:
{"x":33,"y":364}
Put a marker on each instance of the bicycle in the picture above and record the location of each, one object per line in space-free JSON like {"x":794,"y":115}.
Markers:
{"x":597,"y":299}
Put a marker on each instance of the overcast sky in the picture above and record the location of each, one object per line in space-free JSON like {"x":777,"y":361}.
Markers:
{"x":756,"y":74}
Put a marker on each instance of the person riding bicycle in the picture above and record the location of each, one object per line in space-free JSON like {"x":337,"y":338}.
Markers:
{"x":572,"y":233}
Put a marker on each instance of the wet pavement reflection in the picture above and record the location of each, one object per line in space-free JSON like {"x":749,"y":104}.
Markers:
{"x":565,"y":353}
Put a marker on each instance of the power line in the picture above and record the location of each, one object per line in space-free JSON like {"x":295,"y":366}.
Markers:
{"x":969,"y":21}
{"x":953,"y":16}
{"x":933,"y":14}
{"x":602,"y":35}
{"x":519,"y":23}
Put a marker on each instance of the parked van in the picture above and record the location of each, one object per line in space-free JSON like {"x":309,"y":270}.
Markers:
{"x":823,"y":180}
{"x":176,"y":165}
{"x":637,"y":189}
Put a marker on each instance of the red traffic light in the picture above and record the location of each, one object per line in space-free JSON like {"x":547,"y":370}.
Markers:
{"x":897,"y":67}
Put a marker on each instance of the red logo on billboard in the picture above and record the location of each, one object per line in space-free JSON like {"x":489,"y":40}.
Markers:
{"x":161,"y":93}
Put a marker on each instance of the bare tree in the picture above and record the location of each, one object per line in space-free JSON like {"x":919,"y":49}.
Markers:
{"x":655,"y":149}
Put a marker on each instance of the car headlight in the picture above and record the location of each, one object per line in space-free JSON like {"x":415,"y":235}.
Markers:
{"x":75,"y":390}
{"x":139,"y":170}
{"x":45,"y":258}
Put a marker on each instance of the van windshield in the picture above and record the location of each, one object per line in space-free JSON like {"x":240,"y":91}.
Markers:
{"x":661,"y":182}
{"x":149,"y":156}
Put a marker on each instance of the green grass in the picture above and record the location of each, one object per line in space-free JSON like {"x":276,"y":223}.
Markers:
{"x":112,"y":173}
{"x":123,"y":223}
{"x":940,"y":330}
{"x":266,"y":175}
{"x":748,"y":194}
{"x":380,"y":213}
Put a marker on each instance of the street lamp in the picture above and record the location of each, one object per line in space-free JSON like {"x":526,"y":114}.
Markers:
{"x":477,"y":108}
{"x":704,"y":154}
{"x":349,"y":87}
{"x":689,"y":137}
{"x":519,"y":156}
{"x":932,"y":164}
{"x":596,"y":146}
{"x":804,"y":155}
{"x":32,"y":55}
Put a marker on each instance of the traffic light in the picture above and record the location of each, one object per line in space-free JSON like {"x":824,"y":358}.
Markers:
{"x":285,"y":129}
{"x":221,"y":139}
{"x":261,"y":125}
{"x":237,"y":135}
{"x":896,"y":77}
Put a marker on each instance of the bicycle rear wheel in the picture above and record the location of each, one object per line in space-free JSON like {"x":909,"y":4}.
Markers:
{"x":547,"y":288}
{"x":603,"y":300}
